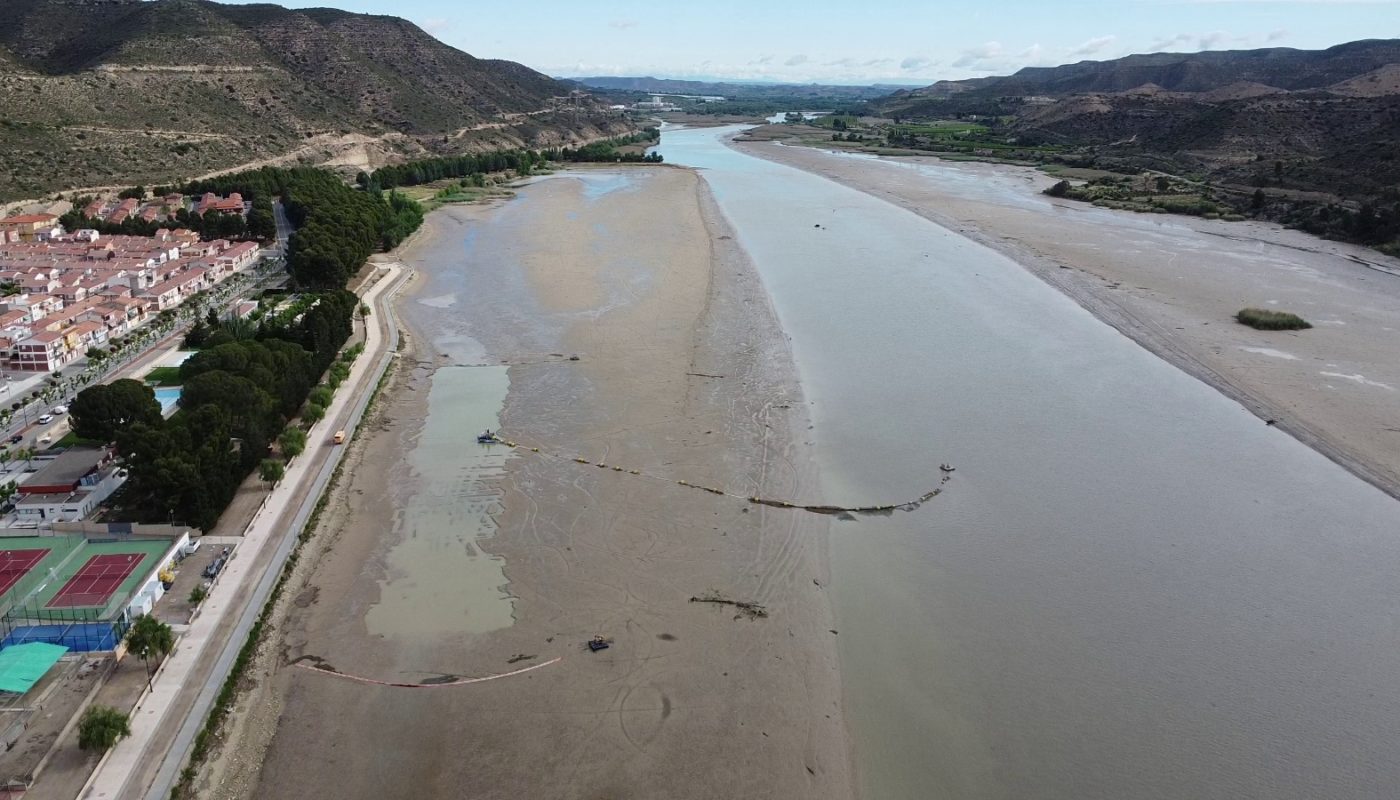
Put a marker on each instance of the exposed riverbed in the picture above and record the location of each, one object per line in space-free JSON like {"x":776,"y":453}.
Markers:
{"x":603,"y":314}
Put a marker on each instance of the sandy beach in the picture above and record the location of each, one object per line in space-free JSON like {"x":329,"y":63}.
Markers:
{"x":1173,"y":285}
{"x":681,"y":374}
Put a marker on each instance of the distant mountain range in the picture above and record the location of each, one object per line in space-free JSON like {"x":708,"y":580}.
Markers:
{"x":1278,"y":68}
{"x":736,"y":90}
{"x":1326,"y":120}
{"x":111,"y":91}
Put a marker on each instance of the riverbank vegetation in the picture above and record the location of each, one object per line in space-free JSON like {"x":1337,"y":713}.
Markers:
{"x":1266,"y":320}
{"x":1112,"y":182}
{"x":487,"y":169}
{"x":1159,"y":194}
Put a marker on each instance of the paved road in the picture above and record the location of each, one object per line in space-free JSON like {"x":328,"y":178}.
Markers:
{"x":164,"y":725}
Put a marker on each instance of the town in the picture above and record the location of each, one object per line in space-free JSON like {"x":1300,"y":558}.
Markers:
{"x":66,"y":294}
{"x":114,"y":299}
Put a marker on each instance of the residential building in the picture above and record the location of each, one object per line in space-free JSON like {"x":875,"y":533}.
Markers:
{"x":29,"y":226}
{"x":70,"y":487}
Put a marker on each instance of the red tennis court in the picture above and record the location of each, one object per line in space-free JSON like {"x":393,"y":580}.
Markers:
{"x":15,"y":563}
{"x":96,"y":581}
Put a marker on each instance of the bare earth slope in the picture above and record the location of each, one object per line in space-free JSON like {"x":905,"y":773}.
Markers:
{"x":127,"y":91}
{"x":1311,"y":120}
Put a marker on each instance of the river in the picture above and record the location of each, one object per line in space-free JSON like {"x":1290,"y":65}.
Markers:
{"x":1132,"y":588}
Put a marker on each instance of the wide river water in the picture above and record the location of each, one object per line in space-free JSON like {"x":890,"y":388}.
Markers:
{"x":1132,"y":588}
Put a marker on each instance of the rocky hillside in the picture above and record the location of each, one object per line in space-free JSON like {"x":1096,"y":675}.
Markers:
{"x":96,"y":92}
{"x":1309,"y":121}
{"x":1279,"y":68}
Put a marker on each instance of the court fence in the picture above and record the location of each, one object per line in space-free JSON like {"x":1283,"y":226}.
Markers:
{"x":82,"y":630}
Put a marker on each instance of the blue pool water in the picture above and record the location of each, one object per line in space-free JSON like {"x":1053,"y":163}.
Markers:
{"x":167,"y":396}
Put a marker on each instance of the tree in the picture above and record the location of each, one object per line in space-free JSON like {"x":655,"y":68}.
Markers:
{"x":1257,"y":202}
{"x":102,"y":727}
{"x":271,"y":470}
{"x":293,"y":441}
{"x":100,"y":412}
{"x":149,"y":637}
{"x":313,"y":413}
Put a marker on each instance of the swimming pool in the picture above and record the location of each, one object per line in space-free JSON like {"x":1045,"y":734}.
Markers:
{"x":167,"y":396}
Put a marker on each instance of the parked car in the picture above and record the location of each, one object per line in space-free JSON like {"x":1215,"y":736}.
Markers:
{"x":17,"y":438}
{"x":46,"y":419}
{"x":45,"y":439}
{"x":60,"y":410}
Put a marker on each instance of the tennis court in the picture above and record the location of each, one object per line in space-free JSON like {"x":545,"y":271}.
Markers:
{"x":97,"y":580}
{"x":15,"y":564}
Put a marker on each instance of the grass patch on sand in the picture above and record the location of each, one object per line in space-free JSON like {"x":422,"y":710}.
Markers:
{"x":1266,"y":320}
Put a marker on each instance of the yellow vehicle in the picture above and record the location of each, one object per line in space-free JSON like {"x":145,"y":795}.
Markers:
{"x":339,"y":437}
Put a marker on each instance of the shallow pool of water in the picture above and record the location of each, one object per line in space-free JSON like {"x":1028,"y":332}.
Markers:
{"x":438,"y":581}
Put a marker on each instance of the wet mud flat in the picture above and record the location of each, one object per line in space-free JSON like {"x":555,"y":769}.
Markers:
{"x":620,"y":321}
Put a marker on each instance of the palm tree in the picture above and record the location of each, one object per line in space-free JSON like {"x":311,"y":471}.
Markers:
{"x":149,"y":637}
{"x":101,"y":727}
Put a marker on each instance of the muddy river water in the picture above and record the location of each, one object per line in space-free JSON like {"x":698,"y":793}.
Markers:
{"x":1131,"y":589}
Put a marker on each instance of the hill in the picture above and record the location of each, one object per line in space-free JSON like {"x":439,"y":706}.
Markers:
{"x":1277,"y":67}
{"x":732,"y":91}
{"x":96,"y":92}
{"x":1321,"y":121}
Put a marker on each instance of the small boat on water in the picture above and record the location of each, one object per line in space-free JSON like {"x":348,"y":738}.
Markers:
{"x":486,"y":437}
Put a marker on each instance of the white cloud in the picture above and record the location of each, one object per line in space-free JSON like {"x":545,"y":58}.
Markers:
{"x":973,"y":56}
{"x":913,"y":63}
{"x":623,"y":24}
{"x":796,"y":60}
{"x":1170,"y":43}
{"x":1093,"y":45}
{"x":1212,"y":40}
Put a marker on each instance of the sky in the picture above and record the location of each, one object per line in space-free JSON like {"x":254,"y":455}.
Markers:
{"x":867,"y":41}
